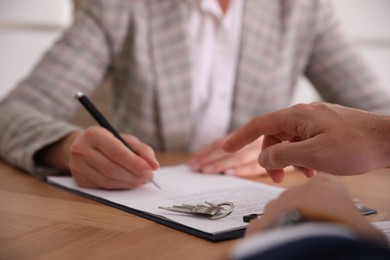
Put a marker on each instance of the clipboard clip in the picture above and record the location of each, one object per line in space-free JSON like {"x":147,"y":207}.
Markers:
{"x":212,"y":210}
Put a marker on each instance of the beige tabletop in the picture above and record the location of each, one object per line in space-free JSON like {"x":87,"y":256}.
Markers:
{"x":39,"y":221}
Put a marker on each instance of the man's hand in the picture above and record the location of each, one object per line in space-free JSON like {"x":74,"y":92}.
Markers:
{"x":319,"y":136}
{"x":321,"y":199}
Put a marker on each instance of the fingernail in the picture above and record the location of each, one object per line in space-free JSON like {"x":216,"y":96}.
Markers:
{"x":230,"y":172}
{"x":195,"y":167}
{"x":194,"y":161}
{"x":156,"y":163}
{"x":208,"y":169}
{"x":147,"y":174}
{"x":277,"y":178}
{"x":194,"y":164}
{"x":145,"y":181}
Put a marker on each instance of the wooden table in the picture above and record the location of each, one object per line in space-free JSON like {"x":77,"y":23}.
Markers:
{"x":40,"y":221}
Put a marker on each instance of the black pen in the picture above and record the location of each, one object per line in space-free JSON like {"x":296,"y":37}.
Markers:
{"x":104,"y":123}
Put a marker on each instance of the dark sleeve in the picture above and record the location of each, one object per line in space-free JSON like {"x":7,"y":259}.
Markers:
{"x":325,"y":247}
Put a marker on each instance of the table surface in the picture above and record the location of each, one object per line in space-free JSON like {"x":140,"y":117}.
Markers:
{"x":38,"y":220}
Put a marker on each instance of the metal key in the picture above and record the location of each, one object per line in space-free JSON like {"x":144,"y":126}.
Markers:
{"x":212,"y":210}
{"x":189,"y":208}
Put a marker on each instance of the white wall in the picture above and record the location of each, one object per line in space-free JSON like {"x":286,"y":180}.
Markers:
{"x":368,"y":23}
{"x":27,"y":29}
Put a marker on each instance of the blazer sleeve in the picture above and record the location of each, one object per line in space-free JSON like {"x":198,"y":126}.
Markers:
{"x":337,"y":71}
{"x":35,"y":113}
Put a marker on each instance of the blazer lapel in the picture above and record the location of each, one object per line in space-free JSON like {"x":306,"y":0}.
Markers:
{"x":258,"y":58}
{"x":173,"y":72}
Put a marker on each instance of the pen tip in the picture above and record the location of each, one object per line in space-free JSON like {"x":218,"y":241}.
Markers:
{"x":156,"y":184}
{"x":78,"y":95}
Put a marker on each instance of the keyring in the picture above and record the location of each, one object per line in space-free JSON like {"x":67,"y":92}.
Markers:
{"x":229,"y":210}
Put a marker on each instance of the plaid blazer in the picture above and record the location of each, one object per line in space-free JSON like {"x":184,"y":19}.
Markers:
{"x":142,"y":44}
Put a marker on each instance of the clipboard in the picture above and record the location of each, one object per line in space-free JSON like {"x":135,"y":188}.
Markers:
{"x":239,"y":191}
{"x":210,"y":237}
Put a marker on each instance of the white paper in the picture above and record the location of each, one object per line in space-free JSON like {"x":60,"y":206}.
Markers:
{"x":180,"y":185}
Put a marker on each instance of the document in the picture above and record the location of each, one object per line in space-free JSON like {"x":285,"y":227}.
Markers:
{"x":179,"y":185}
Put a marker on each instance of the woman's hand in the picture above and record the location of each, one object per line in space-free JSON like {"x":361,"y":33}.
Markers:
{"x":97,"y":159}
{"x":214,"y":160}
